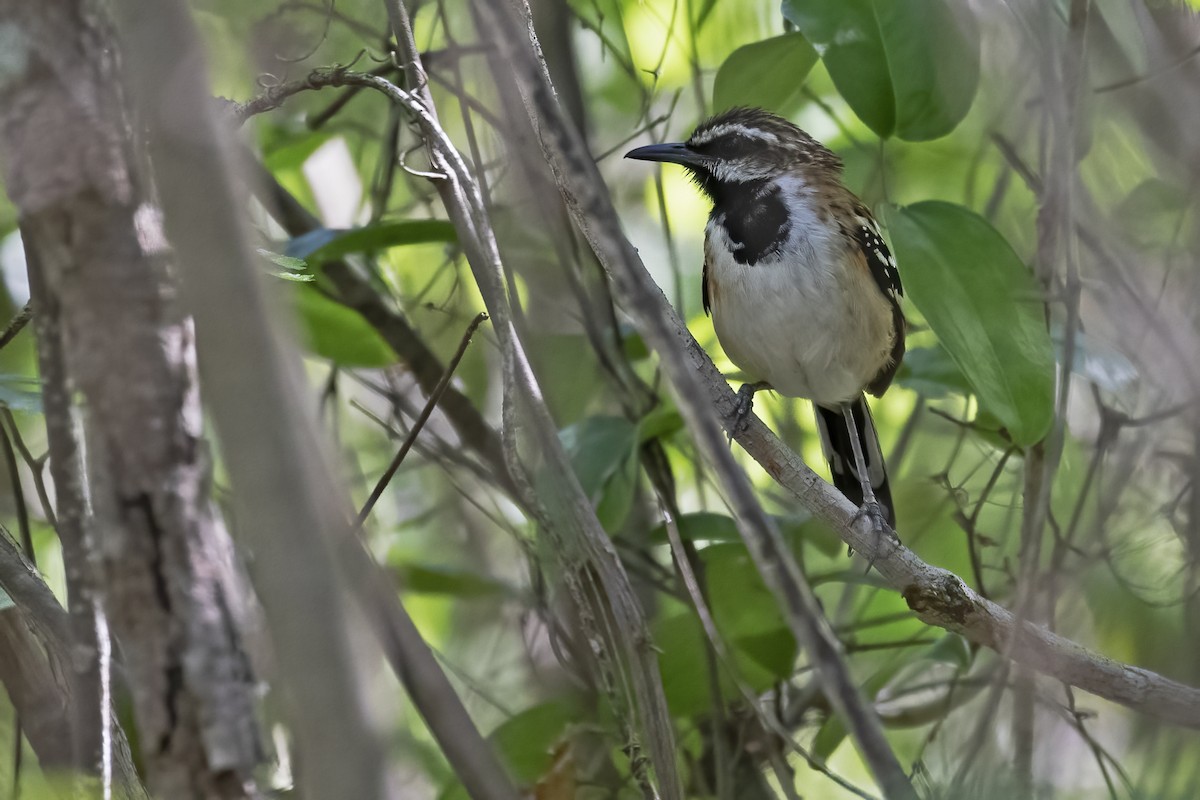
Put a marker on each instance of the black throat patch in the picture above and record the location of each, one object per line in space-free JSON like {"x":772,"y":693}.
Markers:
{"x":755,"y":218}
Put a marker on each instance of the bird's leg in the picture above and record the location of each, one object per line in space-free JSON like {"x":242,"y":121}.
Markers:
{"x":745,"y":404}
{"x":870,"y":506}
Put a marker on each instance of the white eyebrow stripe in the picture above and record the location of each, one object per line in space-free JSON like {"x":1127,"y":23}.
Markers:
{"x":704,"y":137}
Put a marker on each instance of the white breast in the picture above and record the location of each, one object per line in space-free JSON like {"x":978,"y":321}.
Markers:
{"x":808,"y":321}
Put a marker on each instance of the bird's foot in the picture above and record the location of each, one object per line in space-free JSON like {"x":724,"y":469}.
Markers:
{"x":872,"y":511}
{"x":745,"y":404}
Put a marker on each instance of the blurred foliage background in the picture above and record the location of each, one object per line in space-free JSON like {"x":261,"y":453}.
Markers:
{"x":1063,"y":160}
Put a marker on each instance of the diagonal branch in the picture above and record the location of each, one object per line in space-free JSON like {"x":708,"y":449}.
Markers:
{"x":356,"y":292}
{"x":937,"y":596}
{"x":615,"y":626}
{"x":591,"y":208}
{"x":614,"y":622}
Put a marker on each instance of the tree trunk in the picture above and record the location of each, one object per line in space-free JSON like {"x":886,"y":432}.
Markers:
{"x":155,"y":557}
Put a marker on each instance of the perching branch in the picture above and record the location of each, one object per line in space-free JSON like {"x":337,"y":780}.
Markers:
{"x":590,"y":207}
{"x":937,"y":596}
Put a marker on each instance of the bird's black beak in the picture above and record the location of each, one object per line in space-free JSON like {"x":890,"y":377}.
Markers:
{"x":673,"y":153}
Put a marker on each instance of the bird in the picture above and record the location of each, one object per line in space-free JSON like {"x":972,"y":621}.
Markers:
{"x":802,"y":288}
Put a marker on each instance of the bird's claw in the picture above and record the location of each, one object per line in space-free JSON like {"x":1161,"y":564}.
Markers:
{"x":741,"y":412}
{"x":873,"y":511}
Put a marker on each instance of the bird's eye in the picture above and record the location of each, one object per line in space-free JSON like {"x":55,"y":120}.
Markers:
{"x":734,"y":145}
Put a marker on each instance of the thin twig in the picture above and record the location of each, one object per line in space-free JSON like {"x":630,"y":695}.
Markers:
{"x":434,"y":397}
{"x":16,"y":325}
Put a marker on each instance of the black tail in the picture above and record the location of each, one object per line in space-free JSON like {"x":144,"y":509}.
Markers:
{"x":835,"y":441}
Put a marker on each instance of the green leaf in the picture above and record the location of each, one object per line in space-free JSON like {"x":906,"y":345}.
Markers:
{"x":284,"y":149}
{"x":295,"y":277}
{"x":662,"y":421}
{"x":526,"y":741}
{"x":328,"y":244}
{"x":335,"y":332}
{"x":769,"y":74}
{"x":447,"y":580}
{"x":908,"y":68}
{"x":833,"y":730}
{"x":700,"y":526}
{"x":931,"y":372}
{"x":280,"y":260}
{"x":293,"y":268}
{"x":745,"y":611}
{"x":761,"y":660}
{"x":985,"y":308}
{"x":603,"y":452}
{"x":680,"y":642}
{"x":705,"y":10}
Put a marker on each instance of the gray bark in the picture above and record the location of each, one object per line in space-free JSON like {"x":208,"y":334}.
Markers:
{"x":155,"y":556}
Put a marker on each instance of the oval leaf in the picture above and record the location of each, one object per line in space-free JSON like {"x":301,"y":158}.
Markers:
{"x":908,"y":69}
{"x":603,"y":452}
{"x":768,"y":74}
{"x":983,"y":304}
{"x":335,"y":332}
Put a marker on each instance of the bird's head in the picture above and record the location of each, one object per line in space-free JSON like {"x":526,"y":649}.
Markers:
{"x":742,"y":146}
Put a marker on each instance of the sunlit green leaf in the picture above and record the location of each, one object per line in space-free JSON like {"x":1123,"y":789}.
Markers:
{"x":985,"y":308}
{"x":706,"y":7}
{"x":335,"y":332}
{"x":284,"y":149}
{"x":769,"y":74}
{"x":663,"y":421}
{"x":526,"y":741}
{"x":833,"y":730}
{"x":908,"y":69}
